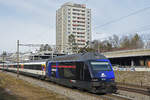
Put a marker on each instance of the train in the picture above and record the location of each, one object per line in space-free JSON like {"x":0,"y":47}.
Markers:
{"x":92,"y":72}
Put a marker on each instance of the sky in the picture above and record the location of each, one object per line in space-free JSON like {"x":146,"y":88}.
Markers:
{"x":34,"y":22}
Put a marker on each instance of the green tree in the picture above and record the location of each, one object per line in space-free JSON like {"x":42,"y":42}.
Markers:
{"x":45,"y":47}
{"x":136,"y":42}
{"x":72,"y":43}
{"x":82,"y":50}
{"x":42,"y":47}
{"x":4,"y":53}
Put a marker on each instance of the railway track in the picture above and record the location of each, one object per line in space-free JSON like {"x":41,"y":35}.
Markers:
{"x":142,"y":87}
{"x":145,"y":90}
{"x":134,"y":91}
{"x":73,"y":94}
{"x":117,"y":97}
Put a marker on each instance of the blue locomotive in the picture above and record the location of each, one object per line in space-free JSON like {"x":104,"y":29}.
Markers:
{"x":86,"y":71}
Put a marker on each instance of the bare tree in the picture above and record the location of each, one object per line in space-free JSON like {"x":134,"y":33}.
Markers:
{"x":125,"y":43}
{"x":115,"y":41}
{"x":95,"y":45}
{"x":147,"y":44}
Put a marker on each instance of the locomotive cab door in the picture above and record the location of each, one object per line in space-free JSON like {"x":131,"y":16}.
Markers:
{"x":82,"y":75}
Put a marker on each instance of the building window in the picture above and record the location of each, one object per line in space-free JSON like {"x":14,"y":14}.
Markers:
{"x":80,"y":29}
{"x":76,"y":10}
{"x":83,"y":10}
{"x":80,"y":36}
{"x":74,"y":17}
{"x":74,"y":13}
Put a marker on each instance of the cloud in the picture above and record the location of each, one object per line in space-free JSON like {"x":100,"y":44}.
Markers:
{"x":28,"y":22}
{"x":13,"y":30}
{"x":111,"y":10}
{"x":33,"y":21}
{"x":26,"y":6}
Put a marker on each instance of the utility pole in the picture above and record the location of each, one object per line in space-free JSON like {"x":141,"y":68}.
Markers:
{"x":17,"y":58}
{"x":3,"y":60}
{"x":98,"y":47}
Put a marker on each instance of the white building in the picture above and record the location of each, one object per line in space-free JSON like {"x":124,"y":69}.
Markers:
{"x":72,"y":19}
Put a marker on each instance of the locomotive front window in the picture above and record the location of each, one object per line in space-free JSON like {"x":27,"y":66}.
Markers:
{"x":104,"y":66}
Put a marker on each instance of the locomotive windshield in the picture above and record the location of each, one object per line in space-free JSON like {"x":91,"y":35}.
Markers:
{"x":103,"y":66}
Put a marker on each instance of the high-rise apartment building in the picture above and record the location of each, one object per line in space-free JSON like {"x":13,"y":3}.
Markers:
{"x":72,"y":19}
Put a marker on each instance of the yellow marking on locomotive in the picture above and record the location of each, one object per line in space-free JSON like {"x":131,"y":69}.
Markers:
{"x":43,"y":67}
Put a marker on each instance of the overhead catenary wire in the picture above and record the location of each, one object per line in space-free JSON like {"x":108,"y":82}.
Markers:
{"x":137,"y":30}
{"x":140,"y":29}
{"x":123,"y":17}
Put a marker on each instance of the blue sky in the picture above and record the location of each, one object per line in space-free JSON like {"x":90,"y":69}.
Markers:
{"x":33,"y":21}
